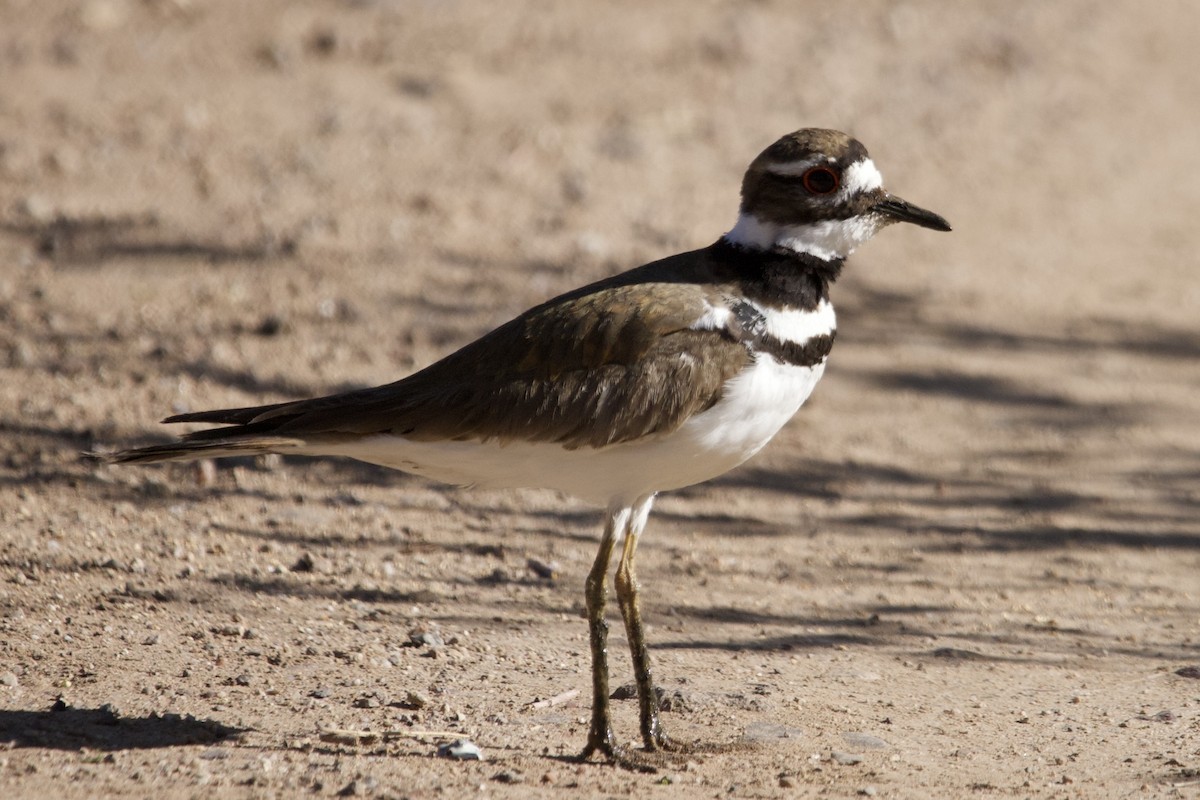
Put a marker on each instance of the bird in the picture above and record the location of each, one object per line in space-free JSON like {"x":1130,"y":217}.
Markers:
{"x":664,"y":376}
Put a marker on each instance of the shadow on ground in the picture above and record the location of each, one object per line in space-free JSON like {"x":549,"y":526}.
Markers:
{"x":92,"y":240}
{"x":62,"y":727}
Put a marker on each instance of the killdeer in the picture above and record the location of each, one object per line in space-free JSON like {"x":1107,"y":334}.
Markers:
{"x":661,"y":377}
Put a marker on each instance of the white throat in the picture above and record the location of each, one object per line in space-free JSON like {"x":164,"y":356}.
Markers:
{"x":827,"y":239}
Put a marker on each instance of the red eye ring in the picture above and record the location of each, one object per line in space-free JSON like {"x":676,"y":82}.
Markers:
{"x":820,"y":180}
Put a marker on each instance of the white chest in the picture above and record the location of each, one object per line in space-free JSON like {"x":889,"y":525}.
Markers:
{"x":755,"y":406}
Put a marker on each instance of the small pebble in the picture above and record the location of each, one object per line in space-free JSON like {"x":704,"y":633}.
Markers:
{"x":9,"y":679}
{"x":508,"y":776}
{"x":461,"y":750}
{"x":626,"y":691}
{"x":546,"y":570}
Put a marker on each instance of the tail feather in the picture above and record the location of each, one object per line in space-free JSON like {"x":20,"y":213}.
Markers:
{"x":228,"y":416}
{"x":192,"y":450}
{"x":248,"y":431}
{"x":247,"y":434}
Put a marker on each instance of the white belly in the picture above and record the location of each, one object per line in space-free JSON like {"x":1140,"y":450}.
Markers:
{"x":755,"y":406}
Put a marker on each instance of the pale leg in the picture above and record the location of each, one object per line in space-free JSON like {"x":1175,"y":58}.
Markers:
{"x":627,"y":587}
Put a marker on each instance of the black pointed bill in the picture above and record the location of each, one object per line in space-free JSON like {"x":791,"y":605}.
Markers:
{"x":904,"y":211}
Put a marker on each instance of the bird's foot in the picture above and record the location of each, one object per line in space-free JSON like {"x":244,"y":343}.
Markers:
{"x":660,"y":742}
{"x":603,"y":742}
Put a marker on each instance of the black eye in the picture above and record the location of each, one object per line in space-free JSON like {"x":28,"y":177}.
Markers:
{"x":820,"y":180}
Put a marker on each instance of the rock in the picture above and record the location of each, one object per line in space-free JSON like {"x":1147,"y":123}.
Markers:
{"x":426,"y":637}
{"x":864,"y":741}
{"x":414,"y":701}
{"x":845,"y":759}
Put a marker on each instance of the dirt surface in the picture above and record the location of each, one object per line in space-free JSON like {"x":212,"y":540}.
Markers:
{"x":969,"y":568}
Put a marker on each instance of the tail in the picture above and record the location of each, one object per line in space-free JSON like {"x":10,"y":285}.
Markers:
{"x":186,"y":450}
{"x":246,"y":435}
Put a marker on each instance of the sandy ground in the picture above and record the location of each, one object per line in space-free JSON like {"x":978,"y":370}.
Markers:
{"x":969,"y":568}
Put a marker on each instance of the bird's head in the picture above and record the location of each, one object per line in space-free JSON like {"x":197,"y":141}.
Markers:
{"x":817,"y":191}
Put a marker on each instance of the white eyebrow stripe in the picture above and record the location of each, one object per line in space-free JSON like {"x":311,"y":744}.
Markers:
{"x":861,"y":176}
{"x":795,"y":168}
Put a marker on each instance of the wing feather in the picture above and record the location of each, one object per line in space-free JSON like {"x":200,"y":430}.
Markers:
{"x":593,"y":368}
{"x":605,"y":368}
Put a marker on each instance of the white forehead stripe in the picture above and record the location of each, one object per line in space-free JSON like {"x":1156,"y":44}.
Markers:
{"x":861,"y":176}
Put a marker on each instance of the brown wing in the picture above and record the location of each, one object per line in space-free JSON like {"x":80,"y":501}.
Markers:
{"x":592,"y":368}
